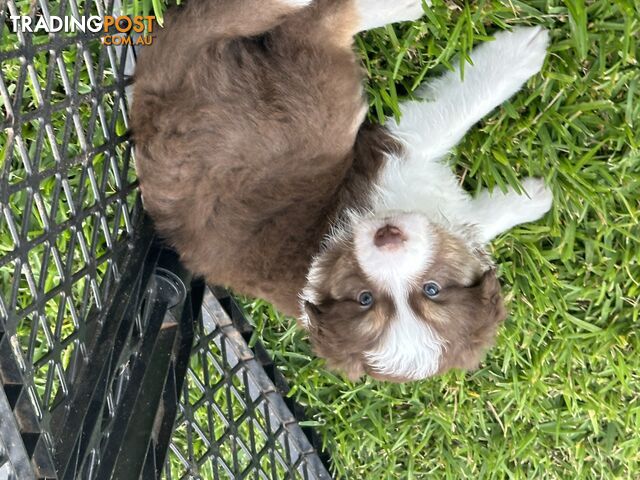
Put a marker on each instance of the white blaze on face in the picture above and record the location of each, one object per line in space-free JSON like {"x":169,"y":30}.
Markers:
{"x":409,"y":347}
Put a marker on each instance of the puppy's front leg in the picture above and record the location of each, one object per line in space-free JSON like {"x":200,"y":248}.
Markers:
{"x":496,"y":212}
{"x":377,"y":13}
{"x":452,"y":105}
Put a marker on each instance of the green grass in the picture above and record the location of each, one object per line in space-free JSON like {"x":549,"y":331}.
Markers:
{"x":558,"y":395}
{"x":62,"y":193}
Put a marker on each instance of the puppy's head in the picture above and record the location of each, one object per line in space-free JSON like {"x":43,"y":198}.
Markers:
{"x":401,"y":299}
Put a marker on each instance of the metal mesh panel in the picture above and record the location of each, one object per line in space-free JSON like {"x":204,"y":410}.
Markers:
{"x":95,"y":345}
{"x":66,"y":208}
{"x":233,"y":421}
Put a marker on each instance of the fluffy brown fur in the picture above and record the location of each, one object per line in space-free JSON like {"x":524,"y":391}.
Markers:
{"x":249,"y":146}
{"x":248,"y":213}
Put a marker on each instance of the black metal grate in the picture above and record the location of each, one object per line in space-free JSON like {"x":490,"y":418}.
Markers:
{"x":233,"y":421}
{"x":67,"y":197}
{"x":98,"y":361}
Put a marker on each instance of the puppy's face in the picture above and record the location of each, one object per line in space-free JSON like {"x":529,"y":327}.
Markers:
{"x":401,"y":299}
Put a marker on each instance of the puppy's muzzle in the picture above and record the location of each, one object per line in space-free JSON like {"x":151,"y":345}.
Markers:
{"x":389,"y":237}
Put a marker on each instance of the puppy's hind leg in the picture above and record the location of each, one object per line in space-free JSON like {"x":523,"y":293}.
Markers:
{"x":337,"y":21}
{"x":496,"y":212}
{"x":453,"y":105}
{"x":200,"y":23}
{"x":377,"y":13}
{"x":252,"y":17}
{"x":234,"y":18}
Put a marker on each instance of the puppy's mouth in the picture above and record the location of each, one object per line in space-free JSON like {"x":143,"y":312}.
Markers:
{"x":389,"y":237}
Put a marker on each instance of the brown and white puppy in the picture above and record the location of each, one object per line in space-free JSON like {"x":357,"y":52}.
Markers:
{"x":255,"y":163}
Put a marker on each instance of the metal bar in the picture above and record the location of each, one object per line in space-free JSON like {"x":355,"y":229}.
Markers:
{"x":231,"y":321}
{"x":11,"y":438}
{"x":175,"y":380}
{"x":128,"y":444}
{"x":84,"y":412}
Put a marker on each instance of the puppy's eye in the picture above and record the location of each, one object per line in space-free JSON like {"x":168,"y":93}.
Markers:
{"x":431,"y":289}
{"x":365,"y":299}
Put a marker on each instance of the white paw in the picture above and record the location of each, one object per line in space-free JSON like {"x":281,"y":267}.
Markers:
{"x":519,"y":53}
{"x":408,"y":10}
{"x":496,"y":212}
{"x":377,"y":13}
{"x":535,"y":201}
{"x":296,"y":3}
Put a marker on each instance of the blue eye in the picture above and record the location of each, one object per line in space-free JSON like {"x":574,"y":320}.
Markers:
{"x":365,"y":299}
{"x":431,"y":289}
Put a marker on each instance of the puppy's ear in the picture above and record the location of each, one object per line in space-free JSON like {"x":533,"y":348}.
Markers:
{"x":312,"y":309}
{"x":493,"y":305}
{"x":352,"y":369}
{"x":308,"y":316}
{"x":485,"y":309}
{"x":327,"y":345}
{"x":491,"y":313}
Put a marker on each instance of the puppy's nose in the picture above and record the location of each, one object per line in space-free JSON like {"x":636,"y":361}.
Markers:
{"x":388,"y":237}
